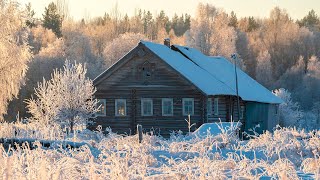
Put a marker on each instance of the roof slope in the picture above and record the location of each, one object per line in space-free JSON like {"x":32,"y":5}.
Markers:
{"x":221,"y":68}
{"x":206,"y":82}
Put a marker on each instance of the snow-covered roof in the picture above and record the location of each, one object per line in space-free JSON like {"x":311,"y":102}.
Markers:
{"x":212,"y":75}
{"x":195,"y":74}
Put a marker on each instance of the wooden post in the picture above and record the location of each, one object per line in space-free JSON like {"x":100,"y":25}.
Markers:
{"x":139,"y":129}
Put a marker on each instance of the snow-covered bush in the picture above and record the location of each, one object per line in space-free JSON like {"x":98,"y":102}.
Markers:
{"x":290,"y":112}
{"x":31,"y":130}
{"x":288,"y":154}
{"x":66,"y":99}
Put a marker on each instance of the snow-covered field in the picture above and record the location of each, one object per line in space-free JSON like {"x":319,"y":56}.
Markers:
{"x":284,"y":154}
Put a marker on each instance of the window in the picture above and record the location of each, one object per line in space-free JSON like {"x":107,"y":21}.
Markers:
{"x":102,"y":110}
{"x":167,"y":107}
{"x":209,"y":107}
{"x":187,"y":106}
{"x":276,"y":109}
{"x":121,"y":107}
{"x":216,"y":106}
{"x":146,"y":107}
{"x":146,"y":71}
{"x":242,"y":109}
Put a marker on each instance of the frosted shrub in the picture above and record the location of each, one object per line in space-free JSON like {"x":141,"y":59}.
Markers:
{"x":282,"y":169}
{"x":290,"y":112}
{"x":183,"y":157}
{"x":31,"y":130}
{"x":311,"y":165}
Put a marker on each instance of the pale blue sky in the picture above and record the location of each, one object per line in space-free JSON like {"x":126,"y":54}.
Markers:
{"x":258,"y":8}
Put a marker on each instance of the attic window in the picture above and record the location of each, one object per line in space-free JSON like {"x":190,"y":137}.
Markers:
{"x":146,"y":70}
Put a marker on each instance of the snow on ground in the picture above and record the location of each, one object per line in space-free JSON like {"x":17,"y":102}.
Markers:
{"x":216,"y":154}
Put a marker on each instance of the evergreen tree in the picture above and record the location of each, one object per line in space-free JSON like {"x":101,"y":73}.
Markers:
{"x":252,"y":24}
{"x":30,"y":22}
{"x":233,"y":21}
{"x":52,"y":20}
{"x":311,"y":20}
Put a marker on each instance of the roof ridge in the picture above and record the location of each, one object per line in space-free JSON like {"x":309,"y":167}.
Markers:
{"x":202,"y":67}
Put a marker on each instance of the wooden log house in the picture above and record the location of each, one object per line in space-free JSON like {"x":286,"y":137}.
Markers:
{"x":158,"y":86}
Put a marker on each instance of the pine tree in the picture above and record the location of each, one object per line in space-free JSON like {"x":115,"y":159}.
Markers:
{"x":311,"y":20}
{"x":233,"y":21}
{"x":30,"y":15}
{"x":52,"y":20}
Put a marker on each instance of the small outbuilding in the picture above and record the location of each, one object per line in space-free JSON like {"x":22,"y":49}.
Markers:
{"x":158,"y":86}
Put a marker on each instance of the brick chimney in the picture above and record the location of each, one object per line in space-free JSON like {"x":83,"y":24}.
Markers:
{"x":167,"y":42}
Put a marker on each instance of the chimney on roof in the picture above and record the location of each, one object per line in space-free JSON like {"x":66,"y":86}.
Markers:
{"x":166,"y":42}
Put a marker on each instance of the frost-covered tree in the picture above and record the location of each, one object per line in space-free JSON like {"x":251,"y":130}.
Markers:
{"x":264,"y":69}
{"x":224,"y":37}
{"x":200,"y":32}
{"x":66,"y":99}
{"x":120,"y":46}
{"x":14,"y":52}
{"x":290,"y":113}
{"x":311,"y":82}
{"x":40,"y":38}
{"x":316,"y":111}
{"x":210,"y":32}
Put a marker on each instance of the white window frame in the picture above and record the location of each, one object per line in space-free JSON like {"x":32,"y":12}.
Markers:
{"x":183,"y":103}
{"x":142,"y":109}
{"x":216,"y":106}
{"x":104,"y":102}
{"x":209,"y":107}
{"x":116,"y":107}
{"x":167,"y":99}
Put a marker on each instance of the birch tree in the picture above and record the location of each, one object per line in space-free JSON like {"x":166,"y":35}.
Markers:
{"x":14,"y":52}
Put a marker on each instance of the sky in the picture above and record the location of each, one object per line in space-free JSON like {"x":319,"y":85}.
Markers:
{"x":79,"y":9}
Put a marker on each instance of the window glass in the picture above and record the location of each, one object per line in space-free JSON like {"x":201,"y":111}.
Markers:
{"x":167,"y":107}
{"x":209,"y":107}
{"x":102,"y":110}
{"x":146,"y":107}
{"x":188,"y":104}
{"x":216,"y":106}
{"x":120,"y":107}
{"x":242,"y":109}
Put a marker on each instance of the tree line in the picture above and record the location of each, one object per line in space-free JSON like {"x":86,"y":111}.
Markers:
{"x":277,"y":51}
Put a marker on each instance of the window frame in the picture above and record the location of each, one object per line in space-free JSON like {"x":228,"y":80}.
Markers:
{"x":162,"y":106}
{"x":116,"y":107}
{"x":183,"y":105}
{"x":105,"y":107}
{"x":216,"y":106}
{"x":142,"y":108}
